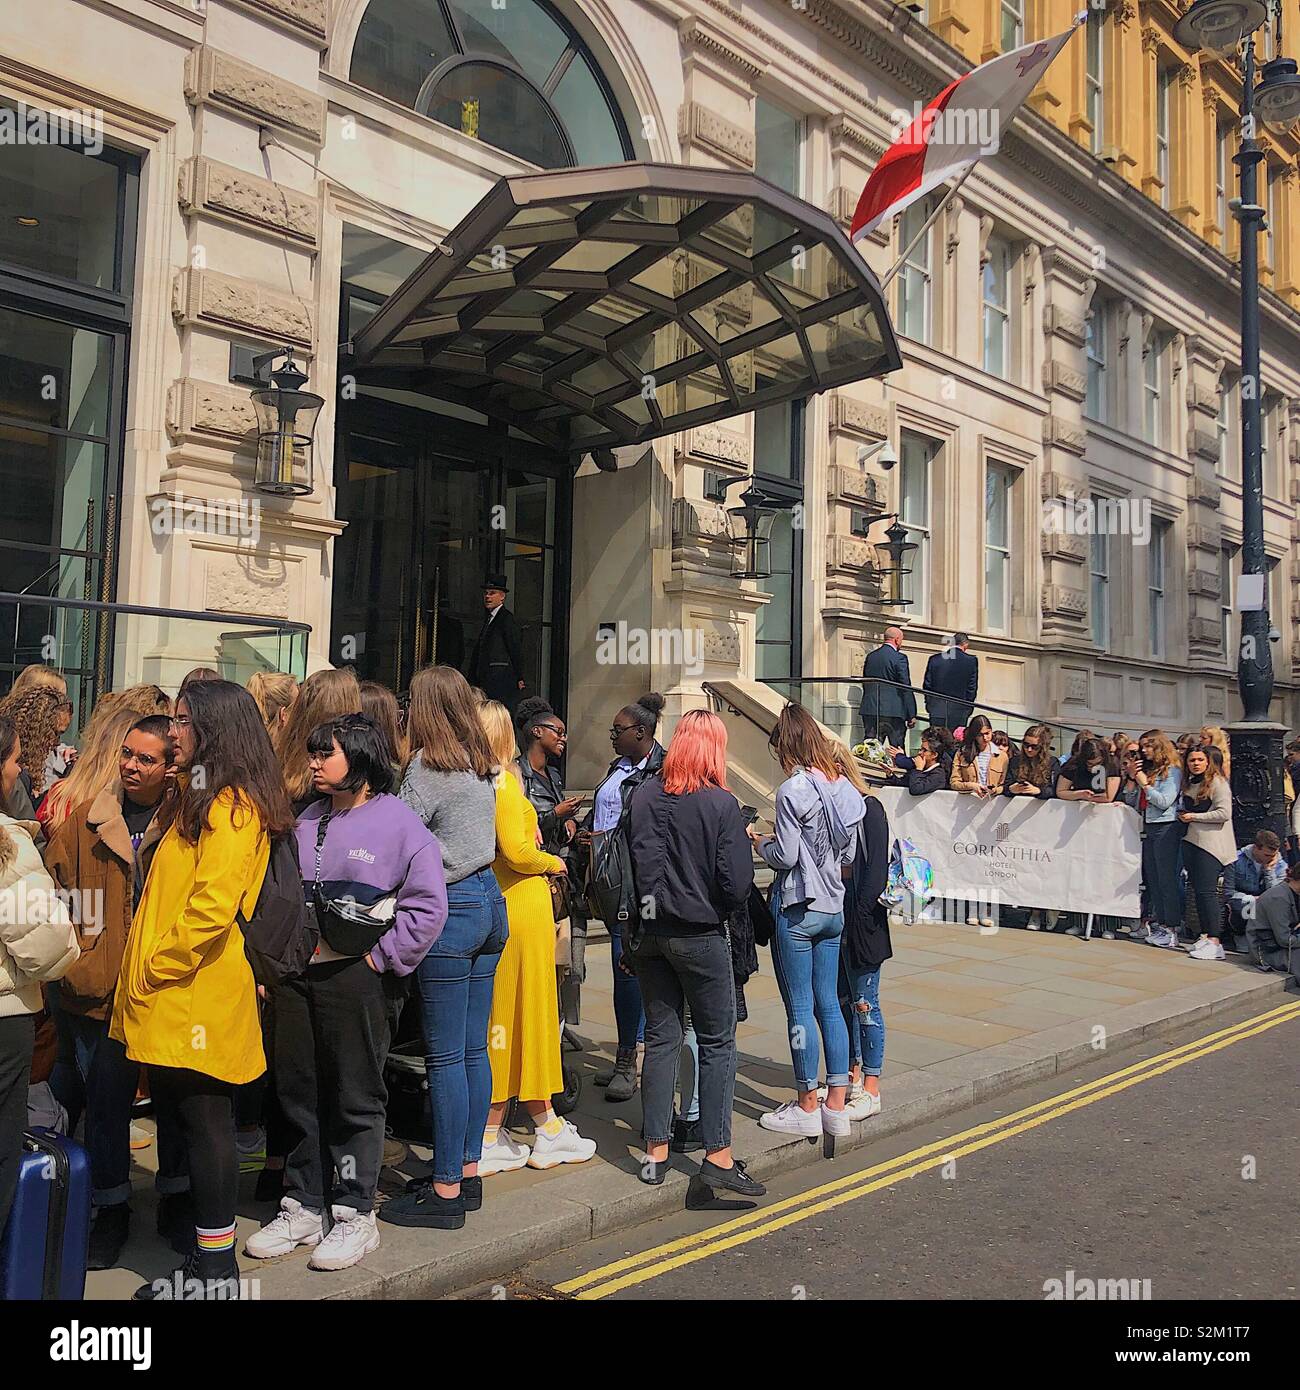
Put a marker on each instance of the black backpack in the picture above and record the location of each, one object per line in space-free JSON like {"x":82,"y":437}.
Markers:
{"x":281,"y":936}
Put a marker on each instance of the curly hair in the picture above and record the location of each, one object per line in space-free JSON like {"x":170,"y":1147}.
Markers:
{"x":34,"y":712}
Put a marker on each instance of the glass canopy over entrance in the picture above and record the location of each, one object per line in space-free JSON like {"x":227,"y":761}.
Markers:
{"x":592,"y":308}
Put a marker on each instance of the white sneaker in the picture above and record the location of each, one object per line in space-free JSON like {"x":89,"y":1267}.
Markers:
{"x":568,"y":1146}
{"x":972,"y":921}
{"x":862,"y":1107}
{"x":1141,"y":932}
{"x":1208,"y":949}
{"x":1163,"y":937}
{"x":790,"y":1119}
{"x":352,"y":1237}
{"x":292,"y":1226}
{"x":834,"y":1122}
{"x":503,"y":1155}
{"x":1107,"y":935}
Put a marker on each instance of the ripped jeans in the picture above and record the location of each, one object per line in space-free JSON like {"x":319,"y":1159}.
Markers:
{"x":866,"y":1027}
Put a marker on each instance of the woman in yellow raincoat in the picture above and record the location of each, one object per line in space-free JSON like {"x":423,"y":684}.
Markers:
{"x":186,"y":1003}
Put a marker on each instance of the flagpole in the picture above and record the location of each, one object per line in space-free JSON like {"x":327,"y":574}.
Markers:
{"x":925,"y":226}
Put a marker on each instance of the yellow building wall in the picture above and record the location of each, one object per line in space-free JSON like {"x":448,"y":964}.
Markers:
{"x":1138,"y":44}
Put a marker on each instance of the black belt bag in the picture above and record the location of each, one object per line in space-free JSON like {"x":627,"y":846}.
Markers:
{"x":346,"y":926}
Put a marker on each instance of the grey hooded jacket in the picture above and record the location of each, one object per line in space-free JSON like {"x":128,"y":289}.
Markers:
{"x":816,"y":821}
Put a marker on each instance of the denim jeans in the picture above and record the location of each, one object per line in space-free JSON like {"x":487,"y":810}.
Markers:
{"x":1160,"y":843}
{"x":1203,"y":870}
{"x":866,"y":1030}
{"x":688,"y":1073}
{"x":806,"y":957}
{"x":629,"y":1011}
{"x":676,"y":971}
{"x":455,"y":983}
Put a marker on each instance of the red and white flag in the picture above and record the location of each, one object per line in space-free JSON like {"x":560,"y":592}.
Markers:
{"x":960,"y":126}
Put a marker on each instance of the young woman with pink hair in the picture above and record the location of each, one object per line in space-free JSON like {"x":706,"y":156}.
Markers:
{"x":692,"y":864}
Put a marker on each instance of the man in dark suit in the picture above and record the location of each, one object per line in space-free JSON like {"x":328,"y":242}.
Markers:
{"x":955,"y":674}
{"x":495,"y":662}
{"x":888,"y":706}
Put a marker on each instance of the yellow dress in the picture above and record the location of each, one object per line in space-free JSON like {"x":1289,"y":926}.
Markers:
{"x":186,"y":996}
{"x":524,"y":1031}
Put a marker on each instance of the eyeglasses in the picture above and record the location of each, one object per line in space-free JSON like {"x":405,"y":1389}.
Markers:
{"x":181,"y":721}
{"x":556,"y":730}
{"x":617,"y":731}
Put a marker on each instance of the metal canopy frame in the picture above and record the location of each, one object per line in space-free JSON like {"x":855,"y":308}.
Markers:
{"x":769,"y":302}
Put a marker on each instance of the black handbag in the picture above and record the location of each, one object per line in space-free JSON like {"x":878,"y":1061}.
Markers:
{"x":346,"y":926}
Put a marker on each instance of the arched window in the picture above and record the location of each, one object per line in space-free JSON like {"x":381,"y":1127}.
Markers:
{"x":515,"y":76}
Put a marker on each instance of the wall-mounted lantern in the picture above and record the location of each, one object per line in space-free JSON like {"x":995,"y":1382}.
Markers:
{"x":894,"y":565}
{"x":749,"y":526}
{"x":286,"y":421}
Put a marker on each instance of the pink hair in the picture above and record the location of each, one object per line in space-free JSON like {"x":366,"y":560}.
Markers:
{"x":697,"y":754}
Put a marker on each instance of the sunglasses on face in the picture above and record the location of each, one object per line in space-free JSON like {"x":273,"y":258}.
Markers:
{"x":1029,"y":746}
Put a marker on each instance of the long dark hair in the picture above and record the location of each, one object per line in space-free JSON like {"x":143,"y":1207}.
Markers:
{"x":233,"y":749}
{"x":1089,"y":749}
{"x":970,"y":740}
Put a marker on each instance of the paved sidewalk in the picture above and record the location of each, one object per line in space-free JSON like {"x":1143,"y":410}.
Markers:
{"x":968,"y":1017}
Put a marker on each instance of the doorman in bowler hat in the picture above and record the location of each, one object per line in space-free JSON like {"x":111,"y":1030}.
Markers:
{"x":495,"y":663}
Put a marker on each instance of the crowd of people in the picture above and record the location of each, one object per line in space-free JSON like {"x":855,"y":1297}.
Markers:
{"x":1200,"y":890}
{"x":423,"y":859}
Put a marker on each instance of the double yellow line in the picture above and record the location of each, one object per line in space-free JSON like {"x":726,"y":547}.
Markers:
{"x":675,"y":1254}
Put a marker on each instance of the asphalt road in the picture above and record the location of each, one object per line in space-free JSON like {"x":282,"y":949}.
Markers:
{"x":1186,"y":1178}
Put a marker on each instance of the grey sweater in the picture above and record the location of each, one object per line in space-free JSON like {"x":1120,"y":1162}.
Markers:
{"x":461,"y":810}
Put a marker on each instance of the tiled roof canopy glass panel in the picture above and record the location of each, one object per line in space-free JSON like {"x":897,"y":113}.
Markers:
{"x":593,"y":308}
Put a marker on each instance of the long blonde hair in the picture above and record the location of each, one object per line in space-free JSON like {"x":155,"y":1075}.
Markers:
{"x":1219,"y":740}
{"x":139,"y":699}
{"x":848,"y":765}
{"x":499,"y":730}
{"x":1163,"y":753}
{"x":323,"y":696}
{"x":97,"y":767}
{"x":274,"y":693}
{"x":35,"y":677}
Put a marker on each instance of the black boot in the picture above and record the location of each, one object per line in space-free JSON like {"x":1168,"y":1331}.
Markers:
{"x":108,"y":1236}
{"x":211,"y":1277}
{"x":176,"y":1221}
{"x":622,"y":1084}
{"x":686,"y":1136}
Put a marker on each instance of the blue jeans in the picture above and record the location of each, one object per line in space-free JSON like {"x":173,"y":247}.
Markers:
{"x":455,"y":983}
{"x":629,"y":1012}
{"x":688,"y":1072}
{"x":806,"y":957}
{"x":866,"y":1030}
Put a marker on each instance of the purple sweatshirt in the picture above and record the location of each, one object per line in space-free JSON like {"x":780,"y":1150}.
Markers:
{"x":373,"y":851}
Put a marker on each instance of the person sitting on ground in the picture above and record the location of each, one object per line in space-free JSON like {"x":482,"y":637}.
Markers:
{"x":1271,"y":936}
{"x":979,"y":769}
{"x":1034,"y":770}
{"x":1206,"y":811}
{"x":1256,"y":868}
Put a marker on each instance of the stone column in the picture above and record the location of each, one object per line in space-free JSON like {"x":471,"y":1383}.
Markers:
{"x":1068,"y":290}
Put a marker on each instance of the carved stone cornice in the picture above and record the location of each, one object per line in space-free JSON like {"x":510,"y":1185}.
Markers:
{"x":845,"y":484}
{"x":694,"y":33}
{"x":857,"y":419}
{"x":1064,"y":599}
{"x":844,"y":130}
{"x":210,"y":412}
{"x":1064,"y":380}
{"x":233,"y":195}
{"x":1065,"y":434}
{"x":714,"y":445}
{"x":220,"y":79}
{"x":305,"y":18}
{"x":228,"y":302}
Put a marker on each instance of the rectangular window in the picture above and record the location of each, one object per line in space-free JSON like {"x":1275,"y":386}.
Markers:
{"x":997,"y":547}
{"x":1094,"y":78}
{"x":778,"y":157}
{"x":1223,"y":427}
{"x":1267,"y":425}
{"x":1094,"y":401}
{"x":1013,"y":24}
{"x":1164,"y":80}
{"x":1157,"y":558}
{"x":1099,"y":582}
{"x":997,"y":308}
{"x":913,"y":318}
{"x":779,"y":434}
{"x":1270,"y":203}
{"x":916,"y":455}
{"x":1225,"y":602}
{"x":1221,"y":182}
{"x":1153,"y":389}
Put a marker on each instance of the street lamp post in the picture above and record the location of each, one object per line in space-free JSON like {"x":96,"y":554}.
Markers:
{"x":1256,"y":742}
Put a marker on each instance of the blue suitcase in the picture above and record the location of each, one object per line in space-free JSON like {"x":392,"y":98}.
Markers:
{"x":43,"y":1250}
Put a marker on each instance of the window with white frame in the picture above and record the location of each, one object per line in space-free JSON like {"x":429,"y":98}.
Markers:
{"x":1153,"y":403}
{"x":1094,"y":78}
{"x":996,"y":294}
{"x":1270,"y":203}
{"x":1267,"y":437}
{"x":1013,"y":24}
{"x":1095,"y":347}
{"x":1099,"y":581}
{"x":916,"y":454}
{"x":1164,"y":80}
{"x":998,"y":481}
{"x":1221,"y":160}
{"x":1157,"y":561}
{"x":914,"y":297}
{"x":1225,"y":601}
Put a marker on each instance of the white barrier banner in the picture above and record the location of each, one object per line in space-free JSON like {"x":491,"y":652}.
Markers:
{"x":1018,"y":851}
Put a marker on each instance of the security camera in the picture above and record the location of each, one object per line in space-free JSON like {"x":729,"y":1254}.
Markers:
{"x":888,"y":458}
{"x":1274,"y":635}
